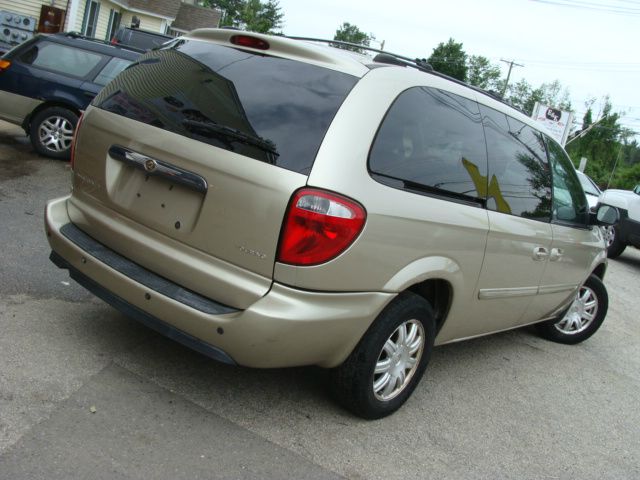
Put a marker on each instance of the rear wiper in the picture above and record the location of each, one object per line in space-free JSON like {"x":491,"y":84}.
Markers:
{"x":235,"y":135}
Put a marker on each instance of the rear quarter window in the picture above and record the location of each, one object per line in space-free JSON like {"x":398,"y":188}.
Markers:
{"x":111,"y":70}
{"x":63,"y":59}
{"x":268,"y":108}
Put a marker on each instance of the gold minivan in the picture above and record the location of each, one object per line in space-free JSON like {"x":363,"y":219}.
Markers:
{"x":272,"y":202}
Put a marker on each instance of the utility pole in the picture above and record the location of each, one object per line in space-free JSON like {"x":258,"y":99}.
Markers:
{"x":373,"y":39}
{"x":614,"y":166}
{"x":511,"y":64}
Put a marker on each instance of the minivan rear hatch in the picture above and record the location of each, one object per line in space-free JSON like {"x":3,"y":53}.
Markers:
{"x":200,"y":146}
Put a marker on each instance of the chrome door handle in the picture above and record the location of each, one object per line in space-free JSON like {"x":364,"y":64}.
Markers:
{"x":540,"y":253}
{"x":556,"y":254}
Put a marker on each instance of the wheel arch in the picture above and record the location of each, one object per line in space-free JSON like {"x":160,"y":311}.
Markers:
{"x":600,"y":270}
{"x":26,"y":123}
{"x":439,"y":294}
{"x":433,"y":278}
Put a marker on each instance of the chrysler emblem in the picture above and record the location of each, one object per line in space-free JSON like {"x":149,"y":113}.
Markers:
{"x":150,"y":165}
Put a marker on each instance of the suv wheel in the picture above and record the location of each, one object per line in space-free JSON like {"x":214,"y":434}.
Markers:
{"x":52,"y":132}
{"x":387,"y":365}
{"x":615,"y":247}
{"x":584,"y":316}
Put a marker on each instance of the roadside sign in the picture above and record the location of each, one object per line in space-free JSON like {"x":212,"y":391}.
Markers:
{"x":557,"y":122}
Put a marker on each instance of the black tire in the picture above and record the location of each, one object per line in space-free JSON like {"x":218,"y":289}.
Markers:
{"x":569,"y":327}
{"x":352,"y":383}
{"x":616,"y":246}
{"x":51,"y":132}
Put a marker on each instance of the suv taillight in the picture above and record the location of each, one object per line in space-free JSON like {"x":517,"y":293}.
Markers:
{"x":4,"y":65}
{"x":318,"y":227}
{"x":72,"y":158}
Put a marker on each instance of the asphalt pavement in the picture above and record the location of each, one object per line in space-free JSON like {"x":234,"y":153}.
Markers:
{"x":88,"y":393}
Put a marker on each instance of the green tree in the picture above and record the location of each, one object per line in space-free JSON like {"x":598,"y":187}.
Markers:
{"x":350,"y":33}
{"x":627,"y":176}
{"x":555,"y":94}
{"x":251,"y":15}
{"x":482,"y":73}
{"x":449,"y":58}
{"x":523,"y":96}
{"x":602,"y":146}
{"x":587,"y":119}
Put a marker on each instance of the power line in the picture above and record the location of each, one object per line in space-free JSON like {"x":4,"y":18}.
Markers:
{"x":620,"y":10}
{"x":585,"y":64}
{"x":622,"y":67}
{"x":586,"y":4}
{"x":630,"y":70}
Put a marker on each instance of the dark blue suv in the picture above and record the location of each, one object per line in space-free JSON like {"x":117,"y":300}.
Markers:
{"x":46,"y":83}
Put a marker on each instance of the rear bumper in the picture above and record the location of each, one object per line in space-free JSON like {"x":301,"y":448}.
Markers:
{"x":286,"y":327}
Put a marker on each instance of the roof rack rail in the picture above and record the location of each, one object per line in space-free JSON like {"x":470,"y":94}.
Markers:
{"x":84,"y":37}
{"x":489,"y":93}
{"x":392,"y":58}
{"x":104,"y":42}
{"x":418,"y":63}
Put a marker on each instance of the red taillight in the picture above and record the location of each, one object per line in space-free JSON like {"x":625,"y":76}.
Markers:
{"x":73,"y":142}
{"x":318,"y":227}
{"x":249,"y":41}
{"x":4,"y":65}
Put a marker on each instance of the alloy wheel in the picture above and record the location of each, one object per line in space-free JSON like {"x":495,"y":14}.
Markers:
{"x":56,"y":133}
{"x":609,"y":235}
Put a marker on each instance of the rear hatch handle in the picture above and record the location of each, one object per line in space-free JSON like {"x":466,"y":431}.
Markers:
{"x":154,"y":167}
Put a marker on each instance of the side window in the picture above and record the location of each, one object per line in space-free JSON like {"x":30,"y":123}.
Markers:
{"x":519,"y":175}
{"x":432,"y":140}
{"x":110,"y":70}
{"x":569,"y":202}
{"x":62,"y":59}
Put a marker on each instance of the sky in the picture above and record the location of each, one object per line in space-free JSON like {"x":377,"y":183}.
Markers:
{"x":590,"y":46}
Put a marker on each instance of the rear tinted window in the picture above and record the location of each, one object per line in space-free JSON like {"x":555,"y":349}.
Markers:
{"x":268,"y":108}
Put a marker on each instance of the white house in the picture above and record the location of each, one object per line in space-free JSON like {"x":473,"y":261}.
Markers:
{"x":101,"y":18}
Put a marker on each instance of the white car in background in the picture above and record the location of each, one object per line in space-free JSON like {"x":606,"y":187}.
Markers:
{"x":627,"y":230}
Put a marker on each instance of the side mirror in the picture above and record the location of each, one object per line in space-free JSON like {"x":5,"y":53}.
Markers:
{"x":605,"y":215}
